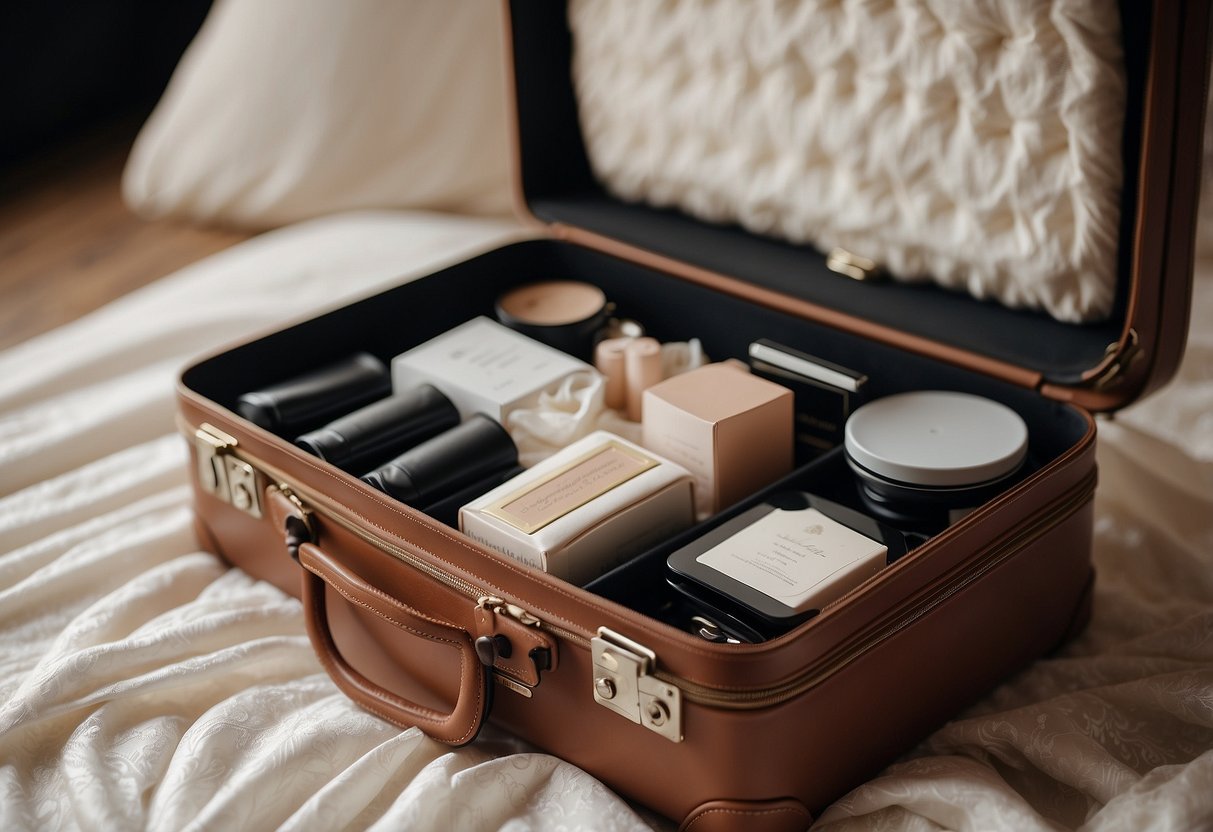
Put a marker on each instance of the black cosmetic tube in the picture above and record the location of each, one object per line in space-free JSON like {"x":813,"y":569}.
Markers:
{"x":446,"y":510}
{"x":371,"y":435}
{"x":441,"y":466}
{"x":312,"y":399}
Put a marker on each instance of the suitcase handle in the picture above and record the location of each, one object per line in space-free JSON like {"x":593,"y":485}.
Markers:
{"x":457,"y":727}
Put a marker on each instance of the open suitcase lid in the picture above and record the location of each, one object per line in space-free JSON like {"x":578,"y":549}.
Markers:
{"x":1101,"y":366}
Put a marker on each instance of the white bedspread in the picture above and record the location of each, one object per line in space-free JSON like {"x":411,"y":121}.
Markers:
{"x":145,"y":685}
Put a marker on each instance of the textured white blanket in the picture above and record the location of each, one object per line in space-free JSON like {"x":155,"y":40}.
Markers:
{"x":145,"y":685}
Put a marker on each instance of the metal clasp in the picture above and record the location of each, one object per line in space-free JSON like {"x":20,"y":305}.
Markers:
{"x":223,"y":475}
{"x":623,"y":682}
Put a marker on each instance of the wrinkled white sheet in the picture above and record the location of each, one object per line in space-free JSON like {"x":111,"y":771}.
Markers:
{"x":145,"y":685}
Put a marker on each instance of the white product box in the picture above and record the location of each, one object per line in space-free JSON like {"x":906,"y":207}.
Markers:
{"x":484,"y":367}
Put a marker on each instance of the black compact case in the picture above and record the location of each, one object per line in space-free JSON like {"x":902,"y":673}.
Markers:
{"x":740,"y":609}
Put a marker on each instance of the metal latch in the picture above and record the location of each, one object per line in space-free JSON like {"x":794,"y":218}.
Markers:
{"x":223,"y":475}
{"x":623,"y":682}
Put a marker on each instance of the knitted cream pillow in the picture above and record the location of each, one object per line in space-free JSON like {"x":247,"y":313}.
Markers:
{"x":976,"y":144}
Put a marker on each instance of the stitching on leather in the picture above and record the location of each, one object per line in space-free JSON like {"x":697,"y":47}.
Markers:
{"x":547,"y":614}
{"x":402,"y":625}
{"x":460,"y":543}
{"x":796,"y":810}
{"x":387,"y":696}
{"x":409,"y":608}
{"x":544,"y":612}
{"x":332,"y":668}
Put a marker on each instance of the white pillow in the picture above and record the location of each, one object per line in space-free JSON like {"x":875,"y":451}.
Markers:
{"x":287,"y":109}
{"x":977,"y":145}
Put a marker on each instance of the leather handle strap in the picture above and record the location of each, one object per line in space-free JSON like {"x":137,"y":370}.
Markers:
{"x":456,"y":727}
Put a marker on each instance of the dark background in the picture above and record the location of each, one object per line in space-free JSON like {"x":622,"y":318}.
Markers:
{"x":69,"y":65}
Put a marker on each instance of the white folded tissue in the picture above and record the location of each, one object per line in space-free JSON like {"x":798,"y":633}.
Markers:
{"x":575,"y":409}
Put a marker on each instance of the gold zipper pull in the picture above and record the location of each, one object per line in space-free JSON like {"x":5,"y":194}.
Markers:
{"x":296,"y":519}
{"x":513,"y":643}
{"x":502,"y":607}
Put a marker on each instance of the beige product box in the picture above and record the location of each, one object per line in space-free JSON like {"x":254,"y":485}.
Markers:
{"x":585,"y":510}
{"x":730,"y":429}
{"x":801,"y":559}
{"x":484,"y":367}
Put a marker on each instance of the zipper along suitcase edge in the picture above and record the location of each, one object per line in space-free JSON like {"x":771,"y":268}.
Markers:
{"x":231,"y":473}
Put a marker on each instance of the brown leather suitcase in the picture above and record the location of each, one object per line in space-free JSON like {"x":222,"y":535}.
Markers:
{"x":754,"y":736}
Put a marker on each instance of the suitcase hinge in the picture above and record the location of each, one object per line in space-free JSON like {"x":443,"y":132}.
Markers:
{"x":225,"y":476}
{"x":1117,"y":359}
{"x":623,"y":682}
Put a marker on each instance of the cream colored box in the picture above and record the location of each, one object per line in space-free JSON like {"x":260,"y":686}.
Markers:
{"x":731,"y":430}
{"x":582,"y":512}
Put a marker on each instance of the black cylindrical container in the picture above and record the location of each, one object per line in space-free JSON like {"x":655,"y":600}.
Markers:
{"x":565,"y":314}
{"x":446,"y":509}
{"x":308,"y":401}
{"x":441,"y":466}
{"x":374,"y":434}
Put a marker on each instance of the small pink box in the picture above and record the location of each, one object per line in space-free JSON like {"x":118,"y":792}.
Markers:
{"x":731,"y":430}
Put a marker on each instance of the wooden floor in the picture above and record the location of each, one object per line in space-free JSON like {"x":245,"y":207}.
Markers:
{"x":68,"y":244}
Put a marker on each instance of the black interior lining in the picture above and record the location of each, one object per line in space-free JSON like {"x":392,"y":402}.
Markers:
{"x":1057,"y":350}
{"x":670,"y":308}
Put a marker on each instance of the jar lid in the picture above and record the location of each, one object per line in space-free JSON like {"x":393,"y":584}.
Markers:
{"x":937,"y":438}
